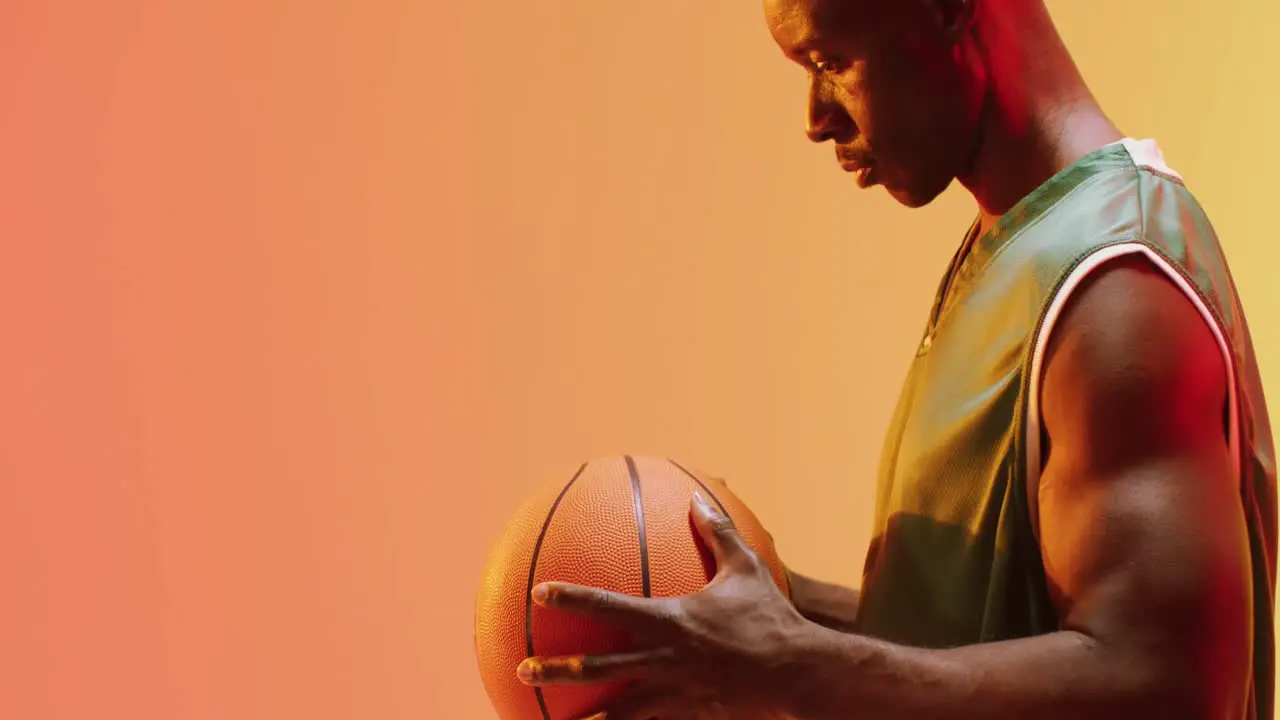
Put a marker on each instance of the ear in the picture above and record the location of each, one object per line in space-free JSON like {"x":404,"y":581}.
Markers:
{"x":954,"y":17}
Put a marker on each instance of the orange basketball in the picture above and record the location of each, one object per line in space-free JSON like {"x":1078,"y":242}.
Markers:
{"x":618,"y":523}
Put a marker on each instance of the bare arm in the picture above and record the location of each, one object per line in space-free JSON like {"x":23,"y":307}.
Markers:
{"x":829,"y":605}
{"x":1142,"y":534}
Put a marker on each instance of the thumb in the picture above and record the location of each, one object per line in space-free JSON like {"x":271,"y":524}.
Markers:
{"x":720,"y":534}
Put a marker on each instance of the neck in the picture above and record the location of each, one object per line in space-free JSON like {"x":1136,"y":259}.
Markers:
{"x":1039,"y":116}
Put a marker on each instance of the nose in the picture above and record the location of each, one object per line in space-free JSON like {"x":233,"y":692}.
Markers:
{"x":825,"y":119}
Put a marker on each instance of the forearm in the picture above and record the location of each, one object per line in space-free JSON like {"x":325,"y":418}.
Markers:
{"x":1061,"y":676}
{"x":829,"y":605}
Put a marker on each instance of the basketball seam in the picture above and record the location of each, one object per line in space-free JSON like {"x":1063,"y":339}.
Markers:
{"x":637,"y":502}
{"x":528,"y":595}
{"x":702,"y":485}
{"x":720,"y":505}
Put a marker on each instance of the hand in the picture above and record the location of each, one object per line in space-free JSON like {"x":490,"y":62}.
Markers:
{"x":726,"y":649}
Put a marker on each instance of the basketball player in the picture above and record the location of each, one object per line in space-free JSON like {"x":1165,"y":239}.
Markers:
{"x":1076,"y":511}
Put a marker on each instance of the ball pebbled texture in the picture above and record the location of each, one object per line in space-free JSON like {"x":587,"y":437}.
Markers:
{"x":619,"y":523}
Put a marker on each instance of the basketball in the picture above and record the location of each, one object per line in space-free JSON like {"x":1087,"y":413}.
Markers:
{"x":621,"y":524}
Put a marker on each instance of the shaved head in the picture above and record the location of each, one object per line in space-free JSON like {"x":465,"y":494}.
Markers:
{"x":895,"y":85}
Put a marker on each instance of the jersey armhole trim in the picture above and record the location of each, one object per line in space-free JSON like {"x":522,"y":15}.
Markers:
{"x":1147,"y":154}
{"x":1034,"y":461}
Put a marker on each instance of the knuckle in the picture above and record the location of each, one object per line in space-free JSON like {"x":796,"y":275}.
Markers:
{"x":752,"y":562}
{"x":667,"y":612}
{"x":592,"y":669}
{"x":601,"y":599}
{"x":559,"y":669}
{"x":723,"y":525}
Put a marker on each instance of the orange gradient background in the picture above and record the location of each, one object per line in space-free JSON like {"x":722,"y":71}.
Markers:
{"x":299,"y":300}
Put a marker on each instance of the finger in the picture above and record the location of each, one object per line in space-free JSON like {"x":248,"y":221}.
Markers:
{"x":625,"y":611}
{"x":720,"y":534}
{"x":591,"y":669}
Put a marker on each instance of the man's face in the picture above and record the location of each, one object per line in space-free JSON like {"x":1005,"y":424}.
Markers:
{"x":891,"y":84}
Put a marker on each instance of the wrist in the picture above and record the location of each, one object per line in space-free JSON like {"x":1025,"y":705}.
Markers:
{"x":819,"y":672}
{"x":829,"y":605}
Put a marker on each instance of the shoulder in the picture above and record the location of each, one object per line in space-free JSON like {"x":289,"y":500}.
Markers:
{"x":1132,"y":351}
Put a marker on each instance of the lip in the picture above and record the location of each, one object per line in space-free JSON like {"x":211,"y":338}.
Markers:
{"x":865,"y":175}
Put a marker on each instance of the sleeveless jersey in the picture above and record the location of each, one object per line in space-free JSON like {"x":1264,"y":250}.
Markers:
{"x":955,"y":560}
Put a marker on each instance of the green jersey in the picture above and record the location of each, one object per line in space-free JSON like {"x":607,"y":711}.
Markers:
{"x":955,"y":560}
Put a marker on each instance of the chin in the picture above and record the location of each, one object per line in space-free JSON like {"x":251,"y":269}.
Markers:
{"x":918,"y":194}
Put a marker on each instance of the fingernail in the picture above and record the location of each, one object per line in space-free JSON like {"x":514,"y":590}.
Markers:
{"x":527,"y":670}
{"x":704,"y":508}
{"x":540,"y":594}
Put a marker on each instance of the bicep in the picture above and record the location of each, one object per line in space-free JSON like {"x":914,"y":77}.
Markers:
{"x":1141,"y":525}
{"x":1152,"y":557}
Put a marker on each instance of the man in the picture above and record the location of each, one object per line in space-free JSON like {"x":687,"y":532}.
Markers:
{"x":1076,"y":510}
